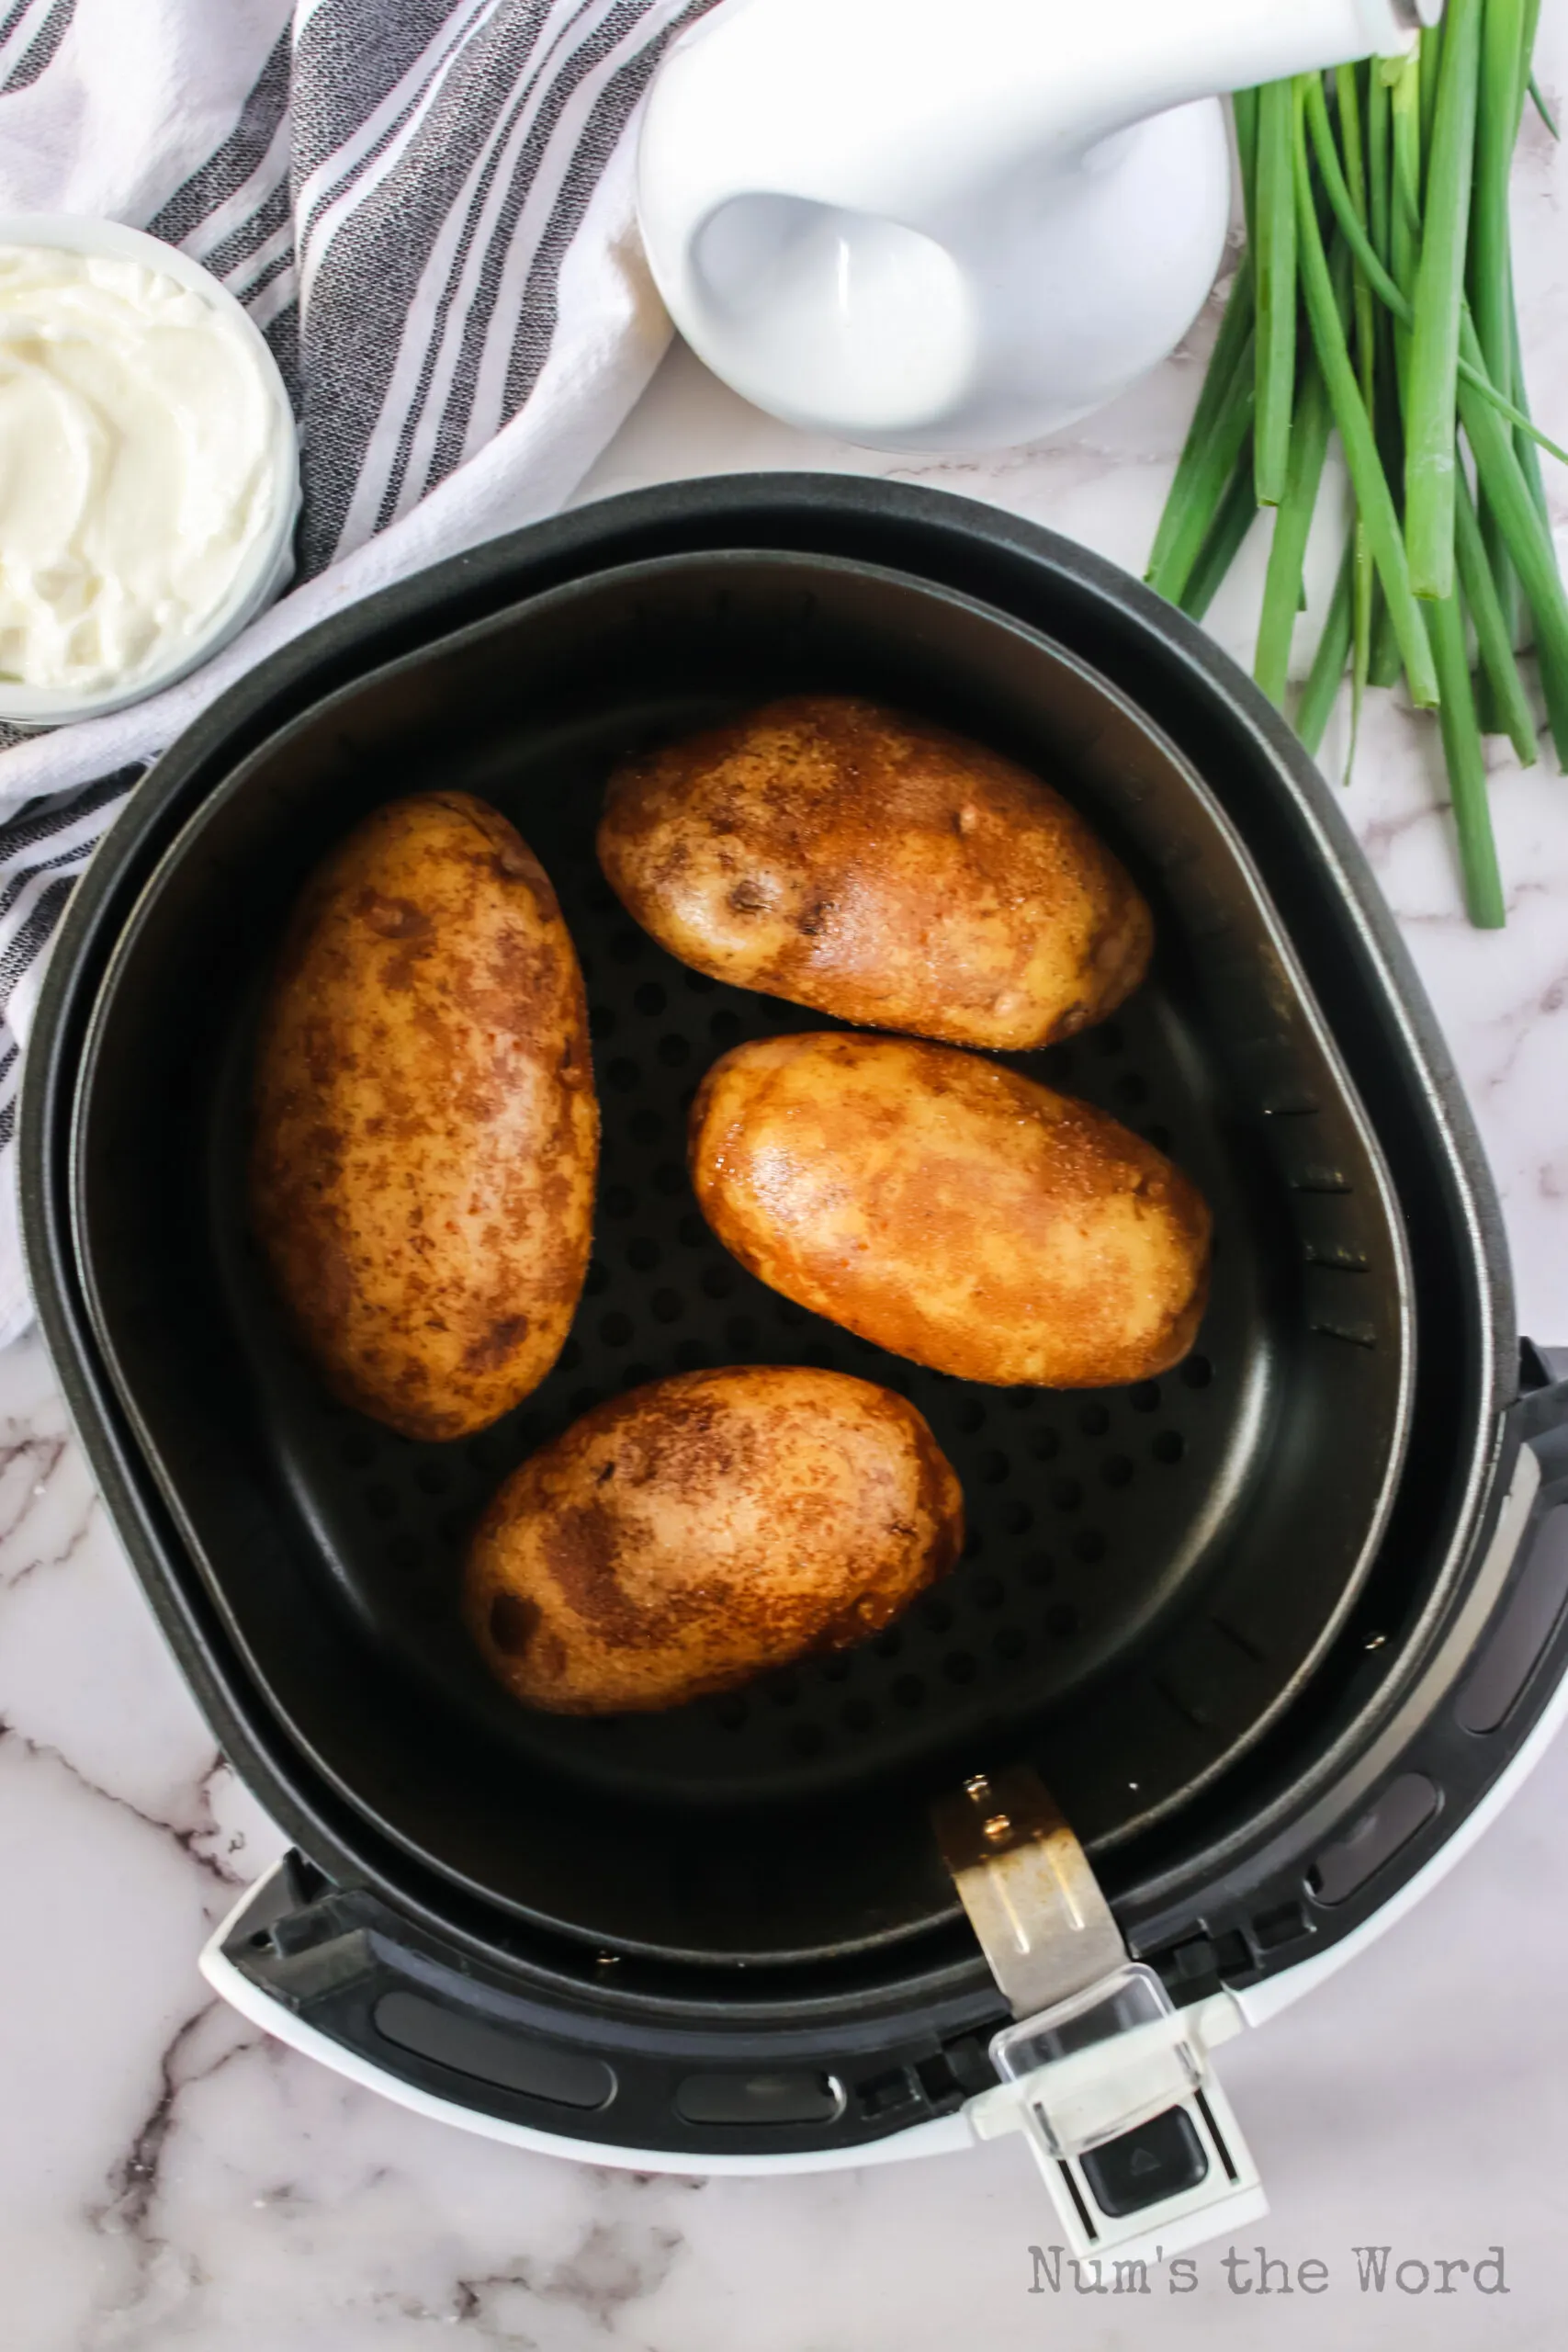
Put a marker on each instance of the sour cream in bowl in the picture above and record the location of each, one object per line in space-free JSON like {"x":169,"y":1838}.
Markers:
{"x":149,"y":468}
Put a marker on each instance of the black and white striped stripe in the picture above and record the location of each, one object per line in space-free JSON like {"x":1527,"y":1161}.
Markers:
{"x":394,"y":200}
{"x":30,"y":38}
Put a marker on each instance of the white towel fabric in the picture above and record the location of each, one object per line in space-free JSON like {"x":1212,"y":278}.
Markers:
{"x":427,"y":208}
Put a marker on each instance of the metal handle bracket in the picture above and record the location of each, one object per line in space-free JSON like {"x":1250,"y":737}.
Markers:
{"x":1109,"y":2082}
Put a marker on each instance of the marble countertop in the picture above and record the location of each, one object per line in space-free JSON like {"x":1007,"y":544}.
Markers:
{"x":170,"y":2178}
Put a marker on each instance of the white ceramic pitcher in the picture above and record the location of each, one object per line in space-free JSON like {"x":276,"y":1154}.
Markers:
{"x":936,"y":224}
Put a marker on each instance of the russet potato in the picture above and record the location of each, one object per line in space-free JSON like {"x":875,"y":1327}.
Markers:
{"x":692,"y":1533}
{"x":426,"y":1136}
{"x":841,"y":856}
{"x":950,"y":1210}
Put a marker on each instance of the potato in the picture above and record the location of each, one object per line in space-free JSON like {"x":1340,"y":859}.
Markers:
{"x":697,"y":1532}
{"x":876,"y":869}
{"x":426,"y":1134}
{"x":951,"y":1211}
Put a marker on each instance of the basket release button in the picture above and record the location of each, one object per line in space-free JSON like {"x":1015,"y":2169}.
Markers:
{"x":1160,"y":2159}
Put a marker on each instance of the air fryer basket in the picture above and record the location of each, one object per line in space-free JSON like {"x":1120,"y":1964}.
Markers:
{"x":1150,"y":1574}
{"x":391,"y":1949}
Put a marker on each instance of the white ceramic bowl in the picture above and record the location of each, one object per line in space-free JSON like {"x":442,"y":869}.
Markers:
{"x":270,"y":563}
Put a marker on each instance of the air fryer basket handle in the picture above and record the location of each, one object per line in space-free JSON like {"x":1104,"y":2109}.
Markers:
{"x":1543,"y":1412}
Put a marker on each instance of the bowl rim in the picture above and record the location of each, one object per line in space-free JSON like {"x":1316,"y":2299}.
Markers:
{"x":270,"y":564}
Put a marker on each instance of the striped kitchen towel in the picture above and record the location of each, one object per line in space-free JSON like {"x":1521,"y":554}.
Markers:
{"x":427,"y":208}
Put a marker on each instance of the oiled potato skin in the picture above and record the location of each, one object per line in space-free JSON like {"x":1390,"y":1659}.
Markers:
{"x":951,"y":1211}
{"x":699,"y":1531}
{"x":832,"y":852}
{"x":425,"y":1128}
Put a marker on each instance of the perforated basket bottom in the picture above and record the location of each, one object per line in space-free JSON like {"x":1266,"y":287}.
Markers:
{"x":1086,"y":1511}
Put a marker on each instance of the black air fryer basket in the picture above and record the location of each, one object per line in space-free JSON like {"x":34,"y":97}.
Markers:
{"x":1239,"y":1618}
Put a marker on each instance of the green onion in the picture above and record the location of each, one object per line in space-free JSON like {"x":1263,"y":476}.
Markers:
{"x":1527,"y":62}
{"x":1364,"y":603}
{"x":1389,"y":293}
{"x":1381,"y":303}
{"x":1245,"y":107}
{"x":1496,"y":137}
{"x":1386,"y":669}
{"x":1276,"y":251}
{"x":1293,"y":522}
{"x":1322,"y":689}
{"x":1538,"y":96}
{"x":1496,"y":130}
{"x":1372,"y":495}
{"x":1553,"y":673}
{"x":1524,"y":533}
{"x":1405,"y":240}
{"x":1347,"y":91}
{"x":1467,"y":769}
{"x":1233,"y":350}
{"x":1238,"y":511}
{"x":1553,"y":667}
{"x":1377,"y":162}
{"x":1490,"y":265}
{"x":1429,"y":74}
{"x":1205,"y":488}
{"x":1431,"y":401}
{"x":1494,"y":633}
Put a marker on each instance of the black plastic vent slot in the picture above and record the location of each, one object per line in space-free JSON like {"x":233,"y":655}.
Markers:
{"x":1527,"y":1623}
{"x":760,"y":2099}
{"x":493,"y":2053}
{"x":1405,"y":1808}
